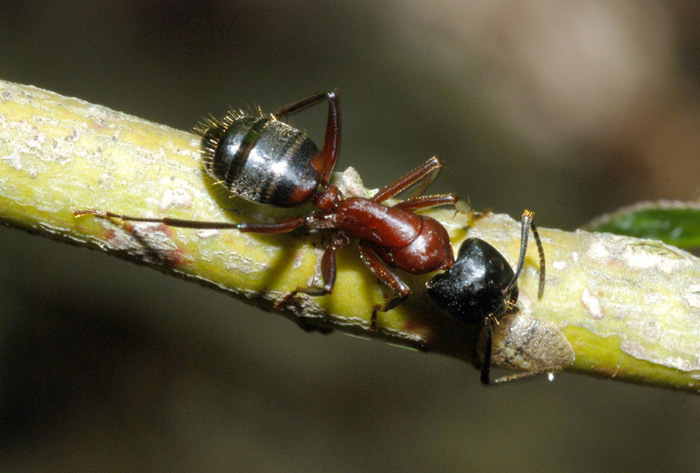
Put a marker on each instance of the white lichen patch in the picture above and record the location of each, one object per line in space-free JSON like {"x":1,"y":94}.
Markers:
{"x":592,"y":303}
{"x":349,"y":183}
{"x":598,"y":251}
{"x":640,"y":351}
{"x":14,"y":160}
{"x":138,"y":238}
{"x":121,"y":240}
{"x":35,"y":141}
{"x":175,"y":194}
{"x":524,"y":304}
{"x":316,"y":278}
{"x":298,"y":260}
{"x":644,"y":292}
{"x":643,"y":256}
{"x":559,"y":265}
{"x":156,"y":236}
{"x":692,"y":296}
{"x":574,"y":257}
{"x":207,"y":232}
{"x":234,"y":261}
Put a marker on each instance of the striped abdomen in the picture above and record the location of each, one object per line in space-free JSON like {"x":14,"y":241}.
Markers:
{"x":261,"y":159}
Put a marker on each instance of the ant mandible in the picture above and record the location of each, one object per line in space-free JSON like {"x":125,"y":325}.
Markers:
{"x":267,"y":161}
{"x":481,"y":286}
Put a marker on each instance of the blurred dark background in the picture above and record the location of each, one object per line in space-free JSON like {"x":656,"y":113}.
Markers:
{"x":571,"y":109}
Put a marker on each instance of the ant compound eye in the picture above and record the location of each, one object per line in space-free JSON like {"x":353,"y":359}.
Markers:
{"x":497,"y":263}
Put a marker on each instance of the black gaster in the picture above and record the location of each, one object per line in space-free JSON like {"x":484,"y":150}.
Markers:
{"x":263,"y":160}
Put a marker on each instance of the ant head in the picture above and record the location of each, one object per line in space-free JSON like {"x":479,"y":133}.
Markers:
{"x":481,"y":286}
{"x":478,"y":286}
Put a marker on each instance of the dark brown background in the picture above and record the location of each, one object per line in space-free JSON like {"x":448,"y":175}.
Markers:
{"x":567,"y":108}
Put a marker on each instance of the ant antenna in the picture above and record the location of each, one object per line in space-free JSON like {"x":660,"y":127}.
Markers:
{"x":528,"y":224}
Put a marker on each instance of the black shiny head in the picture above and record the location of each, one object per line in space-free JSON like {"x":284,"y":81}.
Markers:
{"x":474,"y":287}
{"x":481,"y":286}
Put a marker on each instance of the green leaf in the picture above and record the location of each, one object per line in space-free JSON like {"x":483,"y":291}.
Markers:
{"x":675,"y":223}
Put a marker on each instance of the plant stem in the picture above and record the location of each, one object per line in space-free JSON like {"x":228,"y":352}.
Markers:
{"x":629,"y":308}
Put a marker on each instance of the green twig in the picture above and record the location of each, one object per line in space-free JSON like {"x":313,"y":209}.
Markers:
{"x":629,"y":308}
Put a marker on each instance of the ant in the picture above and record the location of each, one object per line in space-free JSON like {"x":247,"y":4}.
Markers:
{"x":267,"y":161}
{"x":481,"y":286}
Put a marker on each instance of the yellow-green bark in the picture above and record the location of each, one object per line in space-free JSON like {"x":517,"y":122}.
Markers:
{"x":629,"y":308}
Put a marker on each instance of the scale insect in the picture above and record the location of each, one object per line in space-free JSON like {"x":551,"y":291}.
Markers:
{"x":481,"y":287}
{"x":267,"y":161}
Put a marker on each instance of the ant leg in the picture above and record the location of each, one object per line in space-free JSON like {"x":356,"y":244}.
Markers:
{"x":385,"y":275}
{"x":282,"y":226}
{"x":300,"y":104}
{"x":526,"y":225}
{"x":428,"y":171}
{"x":331,"y":143}
{"x":427,"y":201}
{"x":486,"y":363}
{"x":515,"y":377}
{"x":329,"y":271}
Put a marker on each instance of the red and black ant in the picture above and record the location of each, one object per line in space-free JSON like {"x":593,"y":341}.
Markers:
{"x":267,"y":161}
{"x":480,"y":287}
